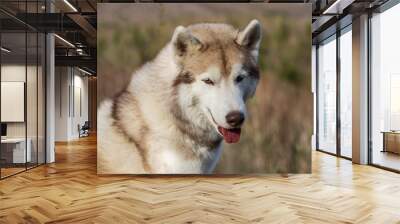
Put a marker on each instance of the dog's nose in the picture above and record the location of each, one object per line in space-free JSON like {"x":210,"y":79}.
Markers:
{"x":234,"y":118}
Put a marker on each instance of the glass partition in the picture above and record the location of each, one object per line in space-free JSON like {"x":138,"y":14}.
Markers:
{"x":23,"y":91}
{"x":14,"y":153}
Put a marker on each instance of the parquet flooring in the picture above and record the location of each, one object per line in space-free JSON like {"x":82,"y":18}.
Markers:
{"x":10,"y":171}
{"x":69,"y":191}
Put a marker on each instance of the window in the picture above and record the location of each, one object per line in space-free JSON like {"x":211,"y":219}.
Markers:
{"x":385,"y":88}
{"x":327,"y":95}
{"x":346,"y":92}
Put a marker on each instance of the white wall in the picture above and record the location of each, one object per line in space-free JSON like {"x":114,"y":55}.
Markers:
{"x":80,"y":103}
{"x":33,"y":126}
{"x":12,"y":73}
{"x":62,"y":81}
{"x":70,"y":83}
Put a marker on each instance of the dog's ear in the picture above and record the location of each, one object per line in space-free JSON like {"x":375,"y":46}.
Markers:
{"x":250,"y":37}
{"x":183,"y":41}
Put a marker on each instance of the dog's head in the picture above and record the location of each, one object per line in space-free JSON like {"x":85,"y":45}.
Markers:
{"x":218,"y":73}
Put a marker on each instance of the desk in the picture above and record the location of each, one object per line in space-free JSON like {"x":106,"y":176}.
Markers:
{"x":391,"y":141}
{"x":15,"y":148}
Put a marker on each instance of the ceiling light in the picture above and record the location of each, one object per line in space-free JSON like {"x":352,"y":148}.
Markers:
{"x":65,"y":41}
{"x":5,"y":50}
{"x":84,"y":71}
{"x":338,"y":6}
{"x":80,"y":51}
{"x":70,"y":5}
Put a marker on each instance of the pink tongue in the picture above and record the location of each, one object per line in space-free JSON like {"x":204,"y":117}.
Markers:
{"x":230,"y":135}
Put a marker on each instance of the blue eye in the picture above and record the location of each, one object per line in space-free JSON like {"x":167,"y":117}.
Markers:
{"x":208,"y":81}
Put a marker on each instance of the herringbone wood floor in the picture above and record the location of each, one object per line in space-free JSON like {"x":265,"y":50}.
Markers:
{"x":69,"y":191}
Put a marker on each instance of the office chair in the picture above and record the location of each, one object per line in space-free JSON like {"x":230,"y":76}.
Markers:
{"x":84,"y":130}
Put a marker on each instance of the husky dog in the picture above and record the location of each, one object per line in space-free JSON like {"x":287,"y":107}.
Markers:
{"x":177,"y":109}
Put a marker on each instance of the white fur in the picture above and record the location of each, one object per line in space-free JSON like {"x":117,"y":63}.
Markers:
{"x":166,"y":146}
{"x":115,"y":154}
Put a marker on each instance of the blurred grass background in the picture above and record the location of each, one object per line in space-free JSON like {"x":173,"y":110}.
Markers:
{"x":276,"y":137}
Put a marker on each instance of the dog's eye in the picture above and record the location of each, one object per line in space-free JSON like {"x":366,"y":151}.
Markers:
{"x":239,"y":78}
{"x":208,"y":81}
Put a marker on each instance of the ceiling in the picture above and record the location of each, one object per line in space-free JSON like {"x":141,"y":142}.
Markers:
{"x":327,"y":13}
{"x":74,"y":22}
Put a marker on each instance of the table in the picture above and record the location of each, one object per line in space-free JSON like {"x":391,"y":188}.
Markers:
{"x":391,"y":141}
{"x":15,"y":148}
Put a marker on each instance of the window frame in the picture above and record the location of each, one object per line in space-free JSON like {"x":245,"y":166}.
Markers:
{"x":345,"y":24}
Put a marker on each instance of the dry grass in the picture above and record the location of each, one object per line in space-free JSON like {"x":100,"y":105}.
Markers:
{"x":277,"y":135}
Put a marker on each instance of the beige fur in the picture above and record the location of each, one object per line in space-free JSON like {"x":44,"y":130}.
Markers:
{"x":161,"y":122}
